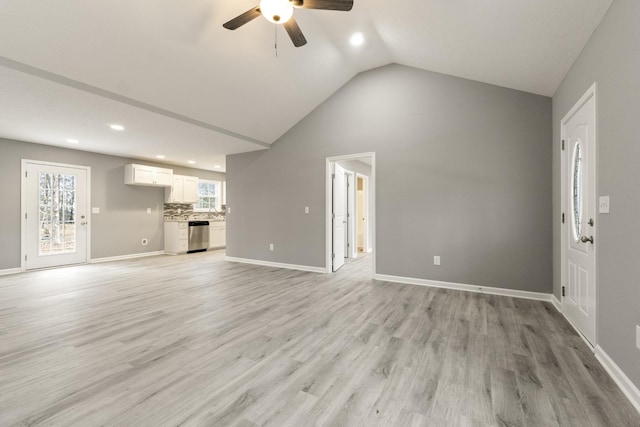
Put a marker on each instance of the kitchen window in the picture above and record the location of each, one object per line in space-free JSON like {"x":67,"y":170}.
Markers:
{"x":209,"y":196}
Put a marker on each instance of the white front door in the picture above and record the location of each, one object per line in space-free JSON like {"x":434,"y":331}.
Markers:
{"x":579,"y":208}
{"x":339,"y":216}
{"x":56,"y":218}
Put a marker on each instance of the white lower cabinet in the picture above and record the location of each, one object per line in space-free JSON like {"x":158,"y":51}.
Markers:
{"x":176,"y":237}
{"x":217,"y":234}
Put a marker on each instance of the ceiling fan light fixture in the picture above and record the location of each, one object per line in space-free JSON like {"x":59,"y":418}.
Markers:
{"x":276,"y":11}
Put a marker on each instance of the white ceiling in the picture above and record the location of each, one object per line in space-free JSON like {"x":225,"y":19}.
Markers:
{"x":189,"y":89}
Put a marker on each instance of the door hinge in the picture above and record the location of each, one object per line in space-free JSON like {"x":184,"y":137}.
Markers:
{"x":563,"y":145}
{"x":25,"y":215}
{"x":25,"y":173}
{"x":563,"y":291}
{"x":563,"y":217}
{"x":333,"y":176}
{"x":333,"y":256}
{"x":25,"y":257}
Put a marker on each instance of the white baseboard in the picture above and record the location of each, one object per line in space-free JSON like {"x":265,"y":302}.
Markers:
{"x":10,"y":271}
{"x":628,"y":388}
{"x":123,"y":257}
{"x":464,"y":287}
{"x":556,"y":302}
{"x":276,"y":264}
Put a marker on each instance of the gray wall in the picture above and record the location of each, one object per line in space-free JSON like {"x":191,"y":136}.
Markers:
{"x":123,"y":220}
{"x":463,"y":171}
{"x":612,"y":59}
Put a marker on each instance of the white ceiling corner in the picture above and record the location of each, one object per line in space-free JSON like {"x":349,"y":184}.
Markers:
{"x":188,"y":88}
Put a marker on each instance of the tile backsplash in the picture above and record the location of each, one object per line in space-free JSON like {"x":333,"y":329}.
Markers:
{"x":174,"y":211}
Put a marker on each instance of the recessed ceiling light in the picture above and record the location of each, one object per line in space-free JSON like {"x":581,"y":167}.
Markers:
{"x":72,"y":141}
{"x":357,"y":39}
{"x":117,"y":127}
{"x":160,"y":156}
{"x":191,"y":162}
{"x":217,"y":166}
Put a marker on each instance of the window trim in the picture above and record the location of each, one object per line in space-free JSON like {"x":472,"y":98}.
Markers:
{"x":218,"y":185}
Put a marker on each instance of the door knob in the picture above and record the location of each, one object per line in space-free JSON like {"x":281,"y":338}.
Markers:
{"x":585,"y":239}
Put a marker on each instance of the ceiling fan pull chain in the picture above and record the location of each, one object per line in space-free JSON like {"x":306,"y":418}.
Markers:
{"x":275,"y":30}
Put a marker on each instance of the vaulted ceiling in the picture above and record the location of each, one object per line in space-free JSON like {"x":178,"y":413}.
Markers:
{"x":186,"y":88}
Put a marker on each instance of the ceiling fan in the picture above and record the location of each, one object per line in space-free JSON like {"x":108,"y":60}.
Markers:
{"x":281,"y":12}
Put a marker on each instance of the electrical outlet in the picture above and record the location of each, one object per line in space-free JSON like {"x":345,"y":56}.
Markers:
{"x":228,"y":209}
{"x":436,"y":260}
{"x":148,"y":210}
{"x":95,"y":210}
{"x":271,"y":246}
{"x":145,"y":242}
{"x":638,"y":337}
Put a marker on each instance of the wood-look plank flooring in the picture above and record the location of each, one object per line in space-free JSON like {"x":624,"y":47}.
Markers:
{"x":195,"y":340}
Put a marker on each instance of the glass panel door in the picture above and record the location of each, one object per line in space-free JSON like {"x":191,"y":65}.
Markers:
{"x":56,"y":215}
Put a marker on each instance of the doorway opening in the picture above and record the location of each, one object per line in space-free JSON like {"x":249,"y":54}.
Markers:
{"x":350,"y":217}
{"x":55,"y":208}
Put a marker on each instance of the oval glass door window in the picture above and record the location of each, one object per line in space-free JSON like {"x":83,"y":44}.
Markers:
{"x":576,"y":188}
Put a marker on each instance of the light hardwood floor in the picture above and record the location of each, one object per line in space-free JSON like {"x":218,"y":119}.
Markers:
{"x":195,"y":340}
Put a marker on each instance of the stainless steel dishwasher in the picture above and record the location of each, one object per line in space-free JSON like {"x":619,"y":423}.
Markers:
{"x":198,"y":236}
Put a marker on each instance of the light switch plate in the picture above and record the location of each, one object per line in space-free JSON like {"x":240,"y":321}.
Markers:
{"x":270,"y":246}
{"x":638,"y":337}
{"x":603,"y":205}
{"x":306,"y":209}
{"x":436,"y":260}
{"x":148,"y":210}
{"x":95,"y":210}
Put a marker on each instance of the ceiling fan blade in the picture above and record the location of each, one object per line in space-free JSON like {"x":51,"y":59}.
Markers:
{"x":343,"y":5}
{"x":294,"y":32}
{"x":240,"y":20}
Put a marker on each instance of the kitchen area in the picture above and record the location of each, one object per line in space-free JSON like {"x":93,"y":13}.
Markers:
{"x":194,"y":209}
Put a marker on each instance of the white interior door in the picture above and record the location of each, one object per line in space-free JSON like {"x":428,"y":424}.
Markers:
{"x":360,"y":217}
{"x":339,"y":216}
{"x":579,"y":227}
{"x":56,"y":217}
{"x":351,"y":250}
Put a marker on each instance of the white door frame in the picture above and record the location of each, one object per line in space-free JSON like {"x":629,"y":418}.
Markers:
{"x":564,"y":209}
{"x":23,"y":206}
{"x":372,"y":203}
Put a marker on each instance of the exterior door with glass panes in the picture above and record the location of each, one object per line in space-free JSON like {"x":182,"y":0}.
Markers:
{"x":56,"y":215}
{"x":579,"y":227}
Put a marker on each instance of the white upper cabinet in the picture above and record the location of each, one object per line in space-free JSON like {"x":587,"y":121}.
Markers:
{"x":147,"y":175}
{"x":183,"y":190}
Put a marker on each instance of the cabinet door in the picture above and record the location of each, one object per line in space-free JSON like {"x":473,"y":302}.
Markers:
{"x":190,"y":189}
{"x":142,"y":175}
{"x":177,"y":192}
{"x":216,"y":236}
{"x":163,"y":177}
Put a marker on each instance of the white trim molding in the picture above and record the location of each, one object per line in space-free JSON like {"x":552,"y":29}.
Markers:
{"x":124,"y":257}
{"x":276,"y":264}
{"x":556,"y":302}
{"x":628,"y":388}
{"x":8,"y":271}
{"x":539,"y":296}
